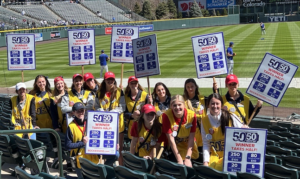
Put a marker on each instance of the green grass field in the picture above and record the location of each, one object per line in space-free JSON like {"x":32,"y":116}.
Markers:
{"x":176,"y":54}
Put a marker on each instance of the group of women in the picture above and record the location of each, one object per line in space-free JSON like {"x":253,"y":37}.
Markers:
{"x":183,"y":125}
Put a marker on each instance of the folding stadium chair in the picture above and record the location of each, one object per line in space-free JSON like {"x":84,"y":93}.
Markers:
{"x":136,"y":163}
{"x":209,"y":173}
{"x":21,"y":174}
{"x":163,"y":176}
{"x":287,"y":134}
{"x":276,"y":138}
{"x":296,"y":139}
{"x":291,"y":145}
{"x":295,"y":130}
{"x":278,"y":171}
{"x":291,"y":162}
{"x":3,"y":126}
{"x":173,"y":169}
{"x":272,"y":159}
{"x":277,"y":129}
{"x":241,"y":175}
{"x":288,"y":125}
{"x":5,"y":121}
{"x":278,"y":151}
{"x":271,"y":142}
{"x":93,"y":171}
{"x":33,"y":153}
{"x":125,"y":173}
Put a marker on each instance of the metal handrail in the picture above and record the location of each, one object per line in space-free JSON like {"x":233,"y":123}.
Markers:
{"x":46,"y":130}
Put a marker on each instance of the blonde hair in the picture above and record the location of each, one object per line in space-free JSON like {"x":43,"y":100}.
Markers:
{"x":177,"y":97}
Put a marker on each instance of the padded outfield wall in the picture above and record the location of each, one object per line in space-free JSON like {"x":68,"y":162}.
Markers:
{"x":50,"y":33}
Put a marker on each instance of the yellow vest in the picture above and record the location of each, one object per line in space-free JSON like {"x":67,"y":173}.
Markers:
{"x":130,"y":104}
{"x":114,"y":104}
{"x":157,"y":109}
{"x":16,"y":118}
{"x":43,"y":119}
{"x":217,"y":141}
{"x":243,"y":107}
{"x":77,"y":136}
{"x":184,"y":134}
{"x":146,"y":148}
{"x":200,"y":113}
{"x":74,"y":99}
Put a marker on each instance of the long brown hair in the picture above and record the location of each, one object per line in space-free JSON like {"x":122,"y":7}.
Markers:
{"x":156,"y":86}
{"x":36,"y":89}
{"x":127,"y":90}
{"x":186,"y":95}
{"x":86,"y":87}
{"x":56,"y":92}
{"x":73,"y":85}
{"x":102,"y":90}
{"x":156,"y":127}
{"x":225,"y":116}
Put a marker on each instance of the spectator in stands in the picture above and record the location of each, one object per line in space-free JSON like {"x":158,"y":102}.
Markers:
{"x":99,"y":14}
{"x":45,"y":23}
{"x":23,"y":12}
{"x":179,"y":124}
{"x":23,"y":114}
{"x":44,"y":104}
{"x":114,"y":19}
{"x":16,"y":26}
{"x":213,"y":130}
{"x":42,"y":23}
{"x":76,"y":138}
{"x":146,"y":133}
{"x":109,"y":98}
{"x":103,"y":62}
{"x":28,"y":24}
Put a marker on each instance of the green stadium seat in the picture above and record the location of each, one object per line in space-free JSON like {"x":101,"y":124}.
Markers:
{"x":271,"y":142}
{"x":291,"y":162}
{"x":136,"y":163}
{"x":210,"y":173}
{"x":287,"y":134}
{"x":241,"y":175}
{"x":93,"y":171}
{"x":3,"y":126}
{"x":278,"y":151}
{"x":277,"y":129}
{"x":288,"y":125}
{"x":164,"y":166}
{"x":33,"y":153}
{"x":125,"y":173}
{"x":9,"y":150}
{"x":278,"y":171}
{"x":6,"y":122}
{"x":276,"y":138}
{"x":295,"y":130}
{"x":272,"y":159}
{"x":21,"y":174}
{"x":163,"y":176}
{"x":291,"y":145}
{"x":296,"y":139}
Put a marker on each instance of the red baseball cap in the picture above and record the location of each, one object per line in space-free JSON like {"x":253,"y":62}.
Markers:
{"x":88,"y":76}
{"x":57,"y":79}
{"x":231,"y":79}
{"x":148,"y":108}
{"x":109,"y":74}
{"x":76,"y":75}
{"x":132,"y":78}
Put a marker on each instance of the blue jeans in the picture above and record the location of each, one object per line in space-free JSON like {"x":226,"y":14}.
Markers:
{"x":110,"y":159}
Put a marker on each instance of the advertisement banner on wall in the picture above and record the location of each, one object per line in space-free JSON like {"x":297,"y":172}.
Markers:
{"x":185,"y":6}
{"x":108,"y":30}
{"x":38,"y":37}
{"x":210,"y":4}
{"x":277,"y":18}
{"x":54,"y":35}
{"x":142,"y":28}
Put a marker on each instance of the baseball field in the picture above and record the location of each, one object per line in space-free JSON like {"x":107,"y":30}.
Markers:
{"x":176,"y":54}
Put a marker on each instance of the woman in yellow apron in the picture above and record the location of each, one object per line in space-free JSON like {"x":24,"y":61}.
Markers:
{"x":179,"y":124}
{"x":135,"y":98}
{"x":60,"y":90}
{"x":146,"y":133}
{"x":161,"y":99}
{"x":213,"y":130}
{"x":111,"y":98}
{"x":90,"y":83}
{"x":44,"y":104}
{"x":237,"y":103}
{"x":23,"y":111}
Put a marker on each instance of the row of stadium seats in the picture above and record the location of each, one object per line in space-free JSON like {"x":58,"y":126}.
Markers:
{"x":40,"y":12}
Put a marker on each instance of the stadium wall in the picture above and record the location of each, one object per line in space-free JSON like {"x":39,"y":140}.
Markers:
{"x":61,"y":32}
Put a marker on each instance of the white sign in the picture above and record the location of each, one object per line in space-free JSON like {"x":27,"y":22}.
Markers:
{"x":272,"y":79}
{"x":277,"y":18}
{"x":102,"y":132}
{"x":209,"y":54}
{"x":185,"y":6}
{"x":38,"y":37}
{"x":145,"y":56}
{"x":81,"y":47}
{"x":121,"y":43}
{"x":244,"y":150}
{"x":20,"y":51}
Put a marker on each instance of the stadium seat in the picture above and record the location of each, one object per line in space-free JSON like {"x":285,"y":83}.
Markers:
{"x":287,"y":134}
{"x":93,"y":171}
{"x":136,"y":163}
{"x":65,"y":153}
{"x":271,"y":142}
{"x":291,"y":145}
{"x":10,"y":150}
{"x":125,"y":173}
{"x":4,"y":126}
{"x":278,"y":171}
{"x":163,"y":176}
{"x":164,"y":166}
{"x":288,"y":125}
{"x":209,"y":173}
{"x":291,"y":162}
{"x":295,"y":130}
{"x":50,"y":142}
{"x":277,"y":129}
{"x":241,"y":175}
{"x":272,"y":159}
{"x":278,"y":151}
{"x":296,"y":139}
{"x":276,"y":138}
{"x":22,"y":174}
{"x":33,"y":153}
